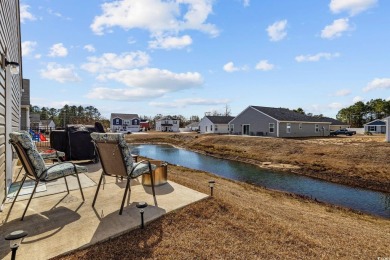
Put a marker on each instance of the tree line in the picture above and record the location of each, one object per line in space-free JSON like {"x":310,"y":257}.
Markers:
{"x":70,"y":115}
{"x":361,"y":113}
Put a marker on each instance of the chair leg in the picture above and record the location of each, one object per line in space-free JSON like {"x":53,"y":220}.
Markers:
{"x":17,"y":194}
{"x":19,"y":173}
{"x":124,"y":196}
{"x":97,"y":190}
{"x":152,"y":179}
{"x":28,"y":203}
{"x":81,"y":190}
{"x":66,"y":183}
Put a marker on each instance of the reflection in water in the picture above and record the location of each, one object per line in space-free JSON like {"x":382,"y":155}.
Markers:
{"x":377,"y":203}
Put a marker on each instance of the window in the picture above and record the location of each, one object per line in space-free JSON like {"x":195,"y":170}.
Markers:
{"x":288,"y":128}
{"x":206,"y":128}
{"x":231,"y":127}
{"x":371,"y":128}
{"x":271,"y":127}
{"x":317,"y":128}
{"x":175,"y":122}
{"x":211,"y":128}
{"x":117,"y":121}
{"x":300,"y":126}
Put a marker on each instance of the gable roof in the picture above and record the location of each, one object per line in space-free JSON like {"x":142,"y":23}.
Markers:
{"x":284,"y":114}
{"x":193,"y":124}
{"x":220,"y":119}
{"x":376,"y":122}
{"x":124,"y":116}
{"x":46,"y":122}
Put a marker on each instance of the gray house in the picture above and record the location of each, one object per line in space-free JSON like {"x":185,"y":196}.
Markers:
{"x":10,"y":86}
{"x":215,"y":124}
{"x":277,"y":122}
{"x":377,"y":126}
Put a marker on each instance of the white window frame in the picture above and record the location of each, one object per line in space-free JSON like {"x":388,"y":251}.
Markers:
{"x":211,"y":128}
{"x":232,"y":128}
{"x":371,"y":128}
{"x":317,"y":128}
{"x":288,"y":128}
{"x":273,"y":127}
{"x":215,"y":127}
{"x":117,"y":121}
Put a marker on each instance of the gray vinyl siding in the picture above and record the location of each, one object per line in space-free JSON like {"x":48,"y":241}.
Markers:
{"x":308,"y":129}
{"x":257,"y":121}
{"x":204,"y":124}
{"x":9,"y":120}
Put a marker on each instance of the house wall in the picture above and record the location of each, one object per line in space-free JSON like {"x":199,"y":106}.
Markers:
{"x":10,"y":87}
{"x":379,"y":129}
{"x":258,"y":123}
{"x":221,"y":129}
{"x":173,"y":128}
{"x":338,"y":127}
{"x":205,"y":126}
{"x":307,"y":129}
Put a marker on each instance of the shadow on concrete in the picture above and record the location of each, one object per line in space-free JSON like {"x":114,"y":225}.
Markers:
{"x":129,"y":220}
{"x":48,"y":222}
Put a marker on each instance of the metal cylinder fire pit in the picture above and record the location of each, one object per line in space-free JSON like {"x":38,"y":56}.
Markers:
{"x":160,"y":174}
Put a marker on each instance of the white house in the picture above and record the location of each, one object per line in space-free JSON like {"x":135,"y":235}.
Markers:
{"x":194,"y":126}
{"x":215,"y":124}
{"x":124,"y":123}
{"x":167,"y":124}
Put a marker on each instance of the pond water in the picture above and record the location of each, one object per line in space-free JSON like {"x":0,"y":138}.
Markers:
{"x":376,"y":203}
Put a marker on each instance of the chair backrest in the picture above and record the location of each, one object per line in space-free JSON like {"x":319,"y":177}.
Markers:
{"x":114,"y":153}
{"x":28,"y":154}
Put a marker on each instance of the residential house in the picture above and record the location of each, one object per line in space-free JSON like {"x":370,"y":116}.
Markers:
{"x":167,"y":124}
{"x":11,"y":86}
{"x":334,"y":123}
{"x":194,"y":126}
{"x":144,"y":124}
{"x":124,"y":123}
{"x":215,"y":124}
{"x":277,"y":122}
{"x":377,"y":126}
{"x":36,"y":124}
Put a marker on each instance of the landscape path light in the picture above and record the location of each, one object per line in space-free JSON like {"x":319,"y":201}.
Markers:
{"x":141,"y":206}
{"x":15,"y":239}
{"x":211,"y":185}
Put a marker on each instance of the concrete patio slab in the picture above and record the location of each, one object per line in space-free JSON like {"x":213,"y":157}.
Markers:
{"x":61,"y":222}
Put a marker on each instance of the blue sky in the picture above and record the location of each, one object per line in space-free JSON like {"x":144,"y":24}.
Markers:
{"x":194,"y":56}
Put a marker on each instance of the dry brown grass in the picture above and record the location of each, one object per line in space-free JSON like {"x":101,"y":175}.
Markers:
{"x":246,"y":222}
{"x":362,"y":161}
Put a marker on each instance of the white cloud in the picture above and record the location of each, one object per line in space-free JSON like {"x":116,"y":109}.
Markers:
{"x":145,"y":84}
{"x":170,"y":42}
{"x":377,"y":83}
{"x":62,"y":74}
{"x":181,"y":103}
{"x":25,"y":14}
{"x":276,"y":31}
{"x":153,"y":78}
{"x":336,"y":29}
{"x":58,"y":50}
{"x":89,"y":48}
{"x":264,"y":65}
{"x":37,"y":56}
{"x":28,"y":47}
{"x":229,"y":67}
{"x":317,"y":57}
{"x":164,"y":17}
{"x":352,"y":6}
{"x":342,"y":93}
{"x":246,"y":3}
{"x":335,"y":105}
{"x":109,"y":61}
{"x":357,"y":99}
{"x":123,"y":94}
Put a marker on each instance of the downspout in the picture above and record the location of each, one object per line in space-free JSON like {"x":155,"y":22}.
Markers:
{"x":277,"y":128}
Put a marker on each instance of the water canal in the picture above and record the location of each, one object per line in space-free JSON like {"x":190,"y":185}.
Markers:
{"x":372,"y":202}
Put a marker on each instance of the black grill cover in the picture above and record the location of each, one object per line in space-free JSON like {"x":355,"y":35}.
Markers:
{"x":80,"y":146}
